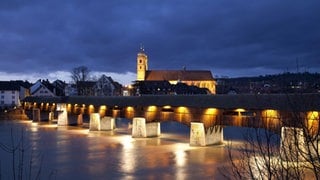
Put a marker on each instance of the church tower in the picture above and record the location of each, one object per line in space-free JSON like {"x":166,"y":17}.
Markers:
{"x":142,"y":64}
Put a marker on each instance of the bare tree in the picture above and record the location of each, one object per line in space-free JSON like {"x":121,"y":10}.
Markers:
{"x":290,"y":151}
{"x":81,"y":73}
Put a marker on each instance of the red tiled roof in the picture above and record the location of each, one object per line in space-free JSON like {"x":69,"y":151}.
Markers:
{"x":183,"y":75}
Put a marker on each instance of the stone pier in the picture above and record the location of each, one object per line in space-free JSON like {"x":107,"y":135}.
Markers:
{"x":80,"y":119}
{"x":94,"y":122}
{"x":107,"y":123}
{"x":293,"y":145}
{"x":62,"y":114}
{"x":97,"y":123}
{"x":36,"y":114}
{"x":201,"y":137}
{"x":51,"y":116}
{"x":141,"y":129}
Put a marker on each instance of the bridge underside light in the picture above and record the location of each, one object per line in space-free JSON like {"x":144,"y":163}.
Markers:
{"x":103,"y":107}
{"x":152,"y":108}
{"x":313,"y":115}
{"x":240,"y":110}
{"x":167,"y":109}
{"x":313,"y":122}
{"x":129,"y":108}
{"x":211,"y":111}
{"x":271,"y":113}
{"x":183,"y":109}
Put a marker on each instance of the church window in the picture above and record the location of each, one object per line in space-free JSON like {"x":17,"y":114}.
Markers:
{"x":140,"y":61}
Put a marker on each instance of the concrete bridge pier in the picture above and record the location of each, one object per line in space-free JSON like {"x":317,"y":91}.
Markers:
{"x":107,"y":123}
{"x":94,"y":124}
{"x":36,"y":114}
{"x":201,"y":137}
{"x":62,"y":114}
{"x":292,"y":145}
{"x":51,"y":116}
{"x":141,"y":129}
{"x":97,"y":123}
{"x":80,"y":119}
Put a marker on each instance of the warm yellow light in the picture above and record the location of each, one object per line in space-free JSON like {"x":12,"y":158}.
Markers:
{"x":167,"y":107}
{"x":103,"y":107}
{"x":211,"y":111}
{"x":313,"y":122}
{"x":69,"y":107}
{"x":313,"y":115}
{"x":129,"y":108}
{"x":152,"y":108}
{"x":240,"y":110}
{"x":183,"y":109}
{"x":271,"y":113}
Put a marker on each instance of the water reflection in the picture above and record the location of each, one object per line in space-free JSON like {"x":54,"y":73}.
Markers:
{"x":77,"y":153}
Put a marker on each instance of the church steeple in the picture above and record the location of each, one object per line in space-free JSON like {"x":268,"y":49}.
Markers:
{"x":142,"y":64}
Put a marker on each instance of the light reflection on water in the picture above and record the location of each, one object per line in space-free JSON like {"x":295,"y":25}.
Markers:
{"x":76,"y":153}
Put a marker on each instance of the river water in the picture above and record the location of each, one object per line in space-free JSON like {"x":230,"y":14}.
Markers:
{"x":72,"y":152}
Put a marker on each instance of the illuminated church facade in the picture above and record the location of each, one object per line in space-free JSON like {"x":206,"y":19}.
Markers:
{"x":199,"y":78}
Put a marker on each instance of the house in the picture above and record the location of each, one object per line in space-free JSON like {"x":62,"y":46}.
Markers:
{"x":59,"y":87}
{"x":104,"y":86}
{"x":42,"y":88}
{"x":9,"y":94}
{"x":86,"y":88}
{"x":70,"y":90}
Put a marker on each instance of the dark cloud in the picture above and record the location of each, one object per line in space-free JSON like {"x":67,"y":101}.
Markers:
{"x":228,"y":37}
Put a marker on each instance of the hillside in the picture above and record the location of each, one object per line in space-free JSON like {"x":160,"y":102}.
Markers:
{"x":280,"y":83}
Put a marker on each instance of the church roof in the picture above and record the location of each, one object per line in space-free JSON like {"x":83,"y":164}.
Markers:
{"x":183,"y":75}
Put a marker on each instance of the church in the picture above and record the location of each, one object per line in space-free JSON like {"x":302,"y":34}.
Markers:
{"x":199,"y":78}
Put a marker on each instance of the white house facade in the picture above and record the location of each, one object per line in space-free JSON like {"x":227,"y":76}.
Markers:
{"x":9,"y":94}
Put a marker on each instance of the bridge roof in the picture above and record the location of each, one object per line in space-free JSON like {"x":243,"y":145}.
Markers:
{"x":290,"y":102}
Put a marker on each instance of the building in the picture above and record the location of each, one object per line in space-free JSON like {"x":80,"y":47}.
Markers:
{"x":199,"y":78}
{"x":42,"y":88}
{"x":104,"y":86}
{"x":9,"y":94}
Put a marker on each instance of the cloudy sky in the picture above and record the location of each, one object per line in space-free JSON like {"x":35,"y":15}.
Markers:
{"x":48,"y":38}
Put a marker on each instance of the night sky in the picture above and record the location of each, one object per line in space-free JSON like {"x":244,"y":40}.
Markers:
{"x":47,"y":39}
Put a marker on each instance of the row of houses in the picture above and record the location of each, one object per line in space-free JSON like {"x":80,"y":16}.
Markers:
{"x":11,"y":92}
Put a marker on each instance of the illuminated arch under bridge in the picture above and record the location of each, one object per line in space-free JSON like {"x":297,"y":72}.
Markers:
{"x":210,"y":111}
